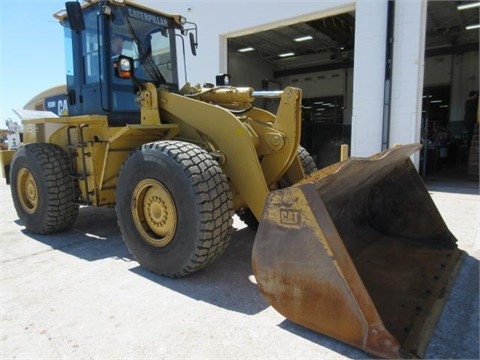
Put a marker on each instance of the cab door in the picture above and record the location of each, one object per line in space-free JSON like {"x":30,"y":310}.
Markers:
{"x":87,"y":89}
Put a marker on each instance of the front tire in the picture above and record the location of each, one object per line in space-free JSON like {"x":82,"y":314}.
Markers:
{"x":43,"y":191}
{"x":174,"y":207}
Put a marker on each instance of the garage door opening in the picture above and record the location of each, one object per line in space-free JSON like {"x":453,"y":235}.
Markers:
{"x":315,"y":56}
{"x":451,"y":73}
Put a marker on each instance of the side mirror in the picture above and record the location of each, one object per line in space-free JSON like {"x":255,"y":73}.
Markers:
{"x":75,"y":15}
{"x":193,"y":44}
{"x":124,"y":67}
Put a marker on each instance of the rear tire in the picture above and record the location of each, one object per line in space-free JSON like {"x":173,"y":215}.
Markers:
{"x":308,"y":164}
{"x":174,"y":207}
{"x":42,"y":188}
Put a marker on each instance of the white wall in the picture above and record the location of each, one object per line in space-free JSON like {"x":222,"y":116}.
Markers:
{"x":408,"y":70}
{"x":369,"y":76}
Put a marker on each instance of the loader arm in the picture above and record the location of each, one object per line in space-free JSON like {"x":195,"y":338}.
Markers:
{"x":240,"y":138}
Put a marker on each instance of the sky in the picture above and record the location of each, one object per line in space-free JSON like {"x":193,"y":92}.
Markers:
{"x":32,"y":52}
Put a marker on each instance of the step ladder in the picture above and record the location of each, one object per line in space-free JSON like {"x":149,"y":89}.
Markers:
{"x":74,"y":148}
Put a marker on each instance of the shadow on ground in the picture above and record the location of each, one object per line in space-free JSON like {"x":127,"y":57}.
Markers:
{"x":94,"y":236}
{"x":225,"y":283}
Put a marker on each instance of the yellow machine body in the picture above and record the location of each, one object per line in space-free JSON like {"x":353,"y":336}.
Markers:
{"x":356,"y":251}
{"x":239,"y":142}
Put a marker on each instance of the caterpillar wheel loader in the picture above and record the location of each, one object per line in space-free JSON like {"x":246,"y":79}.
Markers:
{"x":356,"y":251}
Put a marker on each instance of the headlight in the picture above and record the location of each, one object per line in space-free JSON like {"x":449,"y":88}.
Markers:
{"x":125,"y":65}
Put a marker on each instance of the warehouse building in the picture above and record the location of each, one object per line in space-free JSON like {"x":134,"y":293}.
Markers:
{"x":373,"y":73}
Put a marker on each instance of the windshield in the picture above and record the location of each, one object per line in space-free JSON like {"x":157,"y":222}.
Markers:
{"x":148,"y":38}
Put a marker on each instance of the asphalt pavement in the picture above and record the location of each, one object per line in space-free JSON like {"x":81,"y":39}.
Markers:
{"x":80,"y":295}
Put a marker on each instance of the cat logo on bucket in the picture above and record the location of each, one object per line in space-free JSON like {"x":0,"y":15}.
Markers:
{"x":289,"y":217}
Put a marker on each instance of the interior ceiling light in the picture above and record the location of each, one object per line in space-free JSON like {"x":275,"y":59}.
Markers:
{"x":246,"y":49}
{"x":468,"y":6}
{"x":303,"y":38}
{"x":472,"y":27}
{"x":287,"y":54}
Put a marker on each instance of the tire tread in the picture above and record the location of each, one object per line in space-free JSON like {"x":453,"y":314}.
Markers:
{"x":62,"y":210}
{"x":210,"y":186}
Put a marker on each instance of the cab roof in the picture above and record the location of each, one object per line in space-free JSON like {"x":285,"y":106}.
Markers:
{"x":61,"y":15}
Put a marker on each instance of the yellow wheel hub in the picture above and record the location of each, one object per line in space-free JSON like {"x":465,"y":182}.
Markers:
{"x":27,"y":191}
{"x":154,"y":212}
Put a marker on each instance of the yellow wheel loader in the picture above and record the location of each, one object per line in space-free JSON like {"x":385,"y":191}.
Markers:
{"x":356,"y":251}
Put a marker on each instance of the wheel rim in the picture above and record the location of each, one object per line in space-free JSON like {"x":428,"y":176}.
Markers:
{"x":154,"y":212}
{"x":27,"y":191}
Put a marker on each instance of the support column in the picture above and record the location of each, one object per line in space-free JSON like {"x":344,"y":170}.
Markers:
{"x":369,"y":76}
{"x":408,"y":69}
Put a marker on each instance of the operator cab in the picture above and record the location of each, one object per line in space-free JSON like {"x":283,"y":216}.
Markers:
{"x":96,"y":36}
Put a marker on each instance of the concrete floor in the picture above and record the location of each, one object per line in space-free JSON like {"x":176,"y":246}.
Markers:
{"x":80,"y":295}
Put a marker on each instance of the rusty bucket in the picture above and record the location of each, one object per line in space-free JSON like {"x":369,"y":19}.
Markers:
{"x":359,"y":252}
